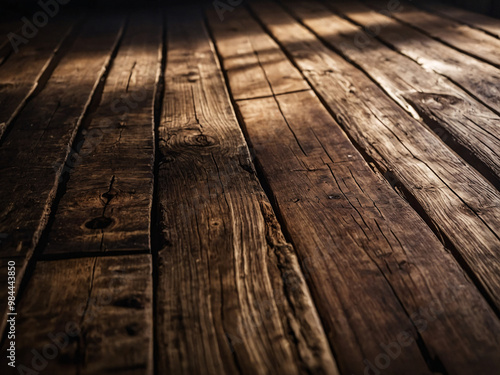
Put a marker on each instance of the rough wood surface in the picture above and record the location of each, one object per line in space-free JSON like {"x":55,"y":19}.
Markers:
{"x":107,"y":201}
{"x":457,"y":201}
{"x":351,"y":229}
{"x":86,"y":316}
{"x":462,"y":37}
{"x":21,"y":74}
{"x":466,"y":125}
{"x":254,"y":62}
{"x":351,"y":279}
{"x":33,"y":154}
{"x":478,"y":78}
{"x":479,"y":21}
{"x":233,"y":298}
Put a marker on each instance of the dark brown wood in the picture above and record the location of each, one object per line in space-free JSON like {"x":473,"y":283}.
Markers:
{"x":479,"y":79}
{"x":356,"y":276}
{"x":364,"y":250}
{"x":32,"y":157}
{"x":21,"y":74}
{"x":459,"y":120}
{"x":107,"y":201}
{"x":476,"y":20}
{"x":86,"y":316}
{"x":232,"y":298}
{"x":462,"y":37}
{"x":455,"y":199}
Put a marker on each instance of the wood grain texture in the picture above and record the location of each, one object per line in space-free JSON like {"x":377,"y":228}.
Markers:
{"x":476,"y":20}
{"x":231,"y":296}
{"x":33,"y":155}
{"x":22,"y":73}
{"x":458,"y":202}
{"x":462,"y":37}
{"x":107,"y":201}
{"x":351,"y":231}
{"x":479,"y":79}
{"x":466,"y":125}
{"x":359,"y":283}
{"x":86,"y":316}
{"x":254,"y":62}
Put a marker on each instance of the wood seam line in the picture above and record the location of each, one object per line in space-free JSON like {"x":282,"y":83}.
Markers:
{"x":155,"y":207}
{"x":80,"y":255}
{"x":270,"y":96}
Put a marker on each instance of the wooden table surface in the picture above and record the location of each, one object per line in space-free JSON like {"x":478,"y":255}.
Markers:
{"x":307,"y":187}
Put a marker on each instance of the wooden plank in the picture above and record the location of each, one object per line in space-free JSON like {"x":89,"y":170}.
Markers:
{"x":455,"y":199}
{"x":467,"y":126}
{"x":479,"y":79}
{"x":479,"y":21}
{"x":107,"y":201}
{"x":255,"y":62}
{"x":462,"y":37}
{"x":231,"y":295}
{"x":33,"y":154}
{"x":23,"y":72}
{"x":86,"y":316}
{"x":355,"y":235}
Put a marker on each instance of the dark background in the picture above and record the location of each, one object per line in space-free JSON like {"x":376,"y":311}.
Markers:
{"x":489,"y":7}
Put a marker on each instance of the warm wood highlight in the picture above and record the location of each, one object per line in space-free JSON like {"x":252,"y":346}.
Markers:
{"x":476,"y":20}
{"x":462,"y":37}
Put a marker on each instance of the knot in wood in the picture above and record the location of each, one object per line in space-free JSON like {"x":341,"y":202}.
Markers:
{"x":189,"y":138}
